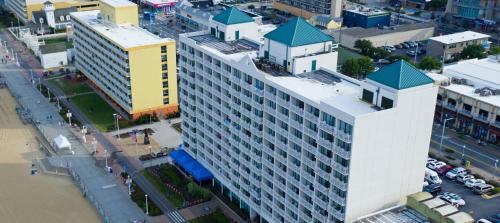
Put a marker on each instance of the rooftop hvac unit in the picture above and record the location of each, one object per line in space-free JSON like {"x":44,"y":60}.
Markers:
{"x":486,"y":92}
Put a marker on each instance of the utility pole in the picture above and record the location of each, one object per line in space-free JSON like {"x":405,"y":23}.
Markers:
{"x":442,"y":135}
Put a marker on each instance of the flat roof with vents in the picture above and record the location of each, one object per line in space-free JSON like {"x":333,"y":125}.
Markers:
{"x":459,"y":37}
{"x":124,"y":35}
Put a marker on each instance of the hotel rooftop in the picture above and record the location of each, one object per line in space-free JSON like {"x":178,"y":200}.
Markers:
{"x":126,"y":35}
{"x":320,"y":86}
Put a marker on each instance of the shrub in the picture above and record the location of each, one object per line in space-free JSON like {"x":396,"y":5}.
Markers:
{"x":449,"y":158}
{"x":494,"y":183}
{"x":495,"y":190}
{"x":447,"y":150}
{"x":197,"y":191}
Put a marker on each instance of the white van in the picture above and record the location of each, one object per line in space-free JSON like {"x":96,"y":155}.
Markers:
{"x":432,"y":177}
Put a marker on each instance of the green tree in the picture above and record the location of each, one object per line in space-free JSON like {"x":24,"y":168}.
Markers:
{"x":251,"y":7}
{"x":365,"y":46}
{"x":494,"y":50}
{"x":436,"y":4}
{"x":473,"y":51}
{"x":350,"y":67}
{"x":379,"y":53}
{"x":365,"y":66}
{"x":429,"y":63}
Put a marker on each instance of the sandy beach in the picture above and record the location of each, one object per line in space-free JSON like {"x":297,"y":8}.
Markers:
{"x":26,"y":198}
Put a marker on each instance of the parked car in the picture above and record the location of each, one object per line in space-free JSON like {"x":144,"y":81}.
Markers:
{"x":473,"y":182}
{"x":410,"y":53}
{"x":431,"y":160}
{"x":482,"y":220}
{"x":455,"y":172}
{"x":435,"y":165}
{"x":482,"y":188}
{"x":405,"y":45}
{"x":391,"y":48}
{"x":452,"y":199}
{"x":432,"y":177}
{"x":399,"y":46}
{"x":383,"y":61}
{"x":432,"y":189}
{"x":464,"y":177}
{"x":444,"y":169}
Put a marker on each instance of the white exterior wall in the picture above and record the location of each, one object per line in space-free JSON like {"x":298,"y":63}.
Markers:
{"x":279,"y":52}
{"x":386,"y":161}
{"x":389,"y":152}
{"x":52,"y":60}
{"x":248,"y":30}
{"x":325,"y":60}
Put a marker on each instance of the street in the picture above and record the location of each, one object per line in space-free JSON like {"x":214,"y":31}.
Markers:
{"x":482,"y":157}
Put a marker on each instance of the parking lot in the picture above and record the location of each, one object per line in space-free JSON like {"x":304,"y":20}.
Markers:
{"x":475,"y":205}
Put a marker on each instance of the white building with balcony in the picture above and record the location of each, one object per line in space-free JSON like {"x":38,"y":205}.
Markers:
{"x":290,"y":139}
{"x":471,"y":96}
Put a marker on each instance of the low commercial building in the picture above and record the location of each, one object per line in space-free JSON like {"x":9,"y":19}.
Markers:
{"x":132,"y":66}
{"x":471,"y":97}
{"x":197,"y":15}
{"x":53,"y":56}
{"x":162,"y":7}
{"x":24,"y":9}
{"x":387,"y":36}
{"x":446,"y":47}
{"x":308,"y":8}
{"x":325,"y":21}
{"x":355,"y":15}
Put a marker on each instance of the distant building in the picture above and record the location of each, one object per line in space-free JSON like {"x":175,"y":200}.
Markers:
{"x":482,"y":10}
{"x":325,"y":21}
{"x":50,"y":17}
{"x":387,"y":36}
{"x":448,"y":46}
{"x":355,"y":15}
{"x":132,"y":66}
{"x":24,"y":9}
{"x":309,"y":8}
{"x":53,"y":56}
{"x":472,"y":97}
{"x":196,"y":15}
{"x":287,"y":137}
{"x":161,"y":7}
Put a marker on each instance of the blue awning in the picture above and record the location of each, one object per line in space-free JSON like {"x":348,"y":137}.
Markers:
{"x":190,"y":165}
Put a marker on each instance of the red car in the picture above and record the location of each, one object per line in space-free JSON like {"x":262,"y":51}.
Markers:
{"x":444,"y":169}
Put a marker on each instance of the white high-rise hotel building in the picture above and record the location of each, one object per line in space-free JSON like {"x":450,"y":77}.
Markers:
{"x":287,"y":136}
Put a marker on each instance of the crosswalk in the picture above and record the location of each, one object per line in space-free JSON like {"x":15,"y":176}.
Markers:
{"x":176,"y":217}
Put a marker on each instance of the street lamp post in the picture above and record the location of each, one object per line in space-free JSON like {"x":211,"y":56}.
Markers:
{"x":117,"y":125}
{"x":106,"y":158}
{"x":94,"y":145}
{"x":463,"y":152}
{"x":48,"y":92}
{"x":442,"y":135}
{"x":69,"y":117}
{"x":147,"y":210}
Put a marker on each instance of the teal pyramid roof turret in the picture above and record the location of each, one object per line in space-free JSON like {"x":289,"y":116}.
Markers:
{"x":400,"y":75}
{"x":298,"y":32}
{"x":231,"y":16}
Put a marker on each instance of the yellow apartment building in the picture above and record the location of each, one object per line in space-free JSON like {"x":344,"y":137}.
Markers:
{"x":24,"y":9}
{"x":133,"y":67}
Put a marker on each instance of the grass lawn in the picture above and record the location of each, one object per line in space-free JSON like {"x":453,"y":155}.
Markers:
{"x":345,"y":54}
{"x":216,"y":217}
{"x":174,"y":198}
{"x":70,"y":87}
{"x":96,"y":109}
{"x":69,"y":44}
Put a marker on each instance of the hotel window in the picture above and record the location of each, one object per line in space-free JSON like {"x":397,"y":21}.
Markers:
{"x":386,"y":103}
